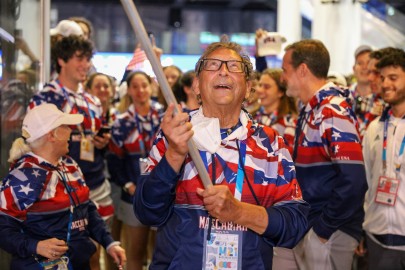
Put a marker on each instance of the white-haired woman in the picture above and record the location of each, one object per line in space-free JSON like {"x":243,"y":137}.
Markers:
{"x":46,"y":215}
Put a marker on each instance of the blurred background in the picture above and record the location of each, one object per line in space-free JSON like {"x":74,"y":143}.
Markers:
{"x":182,"y":28}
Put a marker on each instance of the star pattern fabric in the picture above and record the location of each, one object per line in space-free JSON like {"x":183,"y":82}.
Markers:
{"x":89,"y":106}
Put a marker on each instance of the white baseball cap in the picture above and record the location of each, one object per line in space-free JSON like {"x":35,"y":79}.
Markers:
{"x":44,"y":118}
{"x":361,"y":49}
{"x":67,"y":28}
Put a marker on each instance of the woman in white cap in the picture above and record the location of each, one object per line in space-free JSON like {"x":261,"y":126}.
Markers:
{"x":46,"y":217}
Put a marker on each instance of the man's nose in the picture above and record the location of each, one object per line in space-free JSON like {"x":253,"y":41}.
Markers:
{"x":223,"y":67}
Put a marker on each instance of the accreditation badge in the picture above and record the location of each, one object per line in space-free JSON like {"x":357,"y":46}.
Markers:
{"x":377,"y":108}
{"x":387,"y":190}
{"x":222,"y":250}
{"x":86,"y":149}
{"x":58,"y":264}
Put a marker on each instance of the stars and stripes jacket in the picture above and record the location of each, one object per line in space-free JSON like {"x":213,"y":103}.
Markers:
{"x":35,"y":205}
{"x":108,"y":118}
{"x":285,"y":126}
{"x":169,"y":200}
{"x":132,"y":138}
{"x":329,"y":163}
{"x":89,"y":106}
{"x":366,"y":108}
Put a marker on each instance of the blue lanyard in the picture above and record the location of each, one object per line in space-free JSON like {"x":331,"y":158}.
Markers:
{"x":384,"y":152}
{"x":70,"y":218}
{"x":240,"y":174}
{"x":72,"y":204}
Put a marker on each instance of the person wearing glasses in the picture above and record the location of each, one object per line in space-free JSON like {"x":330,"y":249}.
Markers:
{"x":254,"y":202}
{"x":47,"y":220}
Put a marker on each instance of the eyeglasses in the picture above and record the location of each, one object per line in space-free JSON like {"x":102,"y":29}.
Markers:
{"x":234,"y":66}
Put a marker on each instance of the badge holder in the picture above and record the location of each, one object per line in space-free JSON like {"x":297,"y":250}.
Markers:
{"x":58,"y":264}
{"x":86,"y":150}
{"x":223,"y":250}
{"x":387,"y":190}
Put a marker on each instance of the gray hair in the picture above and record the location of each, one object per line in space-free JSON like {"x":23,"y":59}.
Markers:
{"x":225,"y":44}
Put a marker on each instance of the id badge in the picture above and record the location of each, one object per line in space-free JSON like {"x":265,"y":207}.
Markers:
{"x":58,"y":264}
{"x":86,"y":150}
{"x":387,"y":190}
{"x":143,"y":164}
{"x":377,"y":108}
{"x":223,"y":250}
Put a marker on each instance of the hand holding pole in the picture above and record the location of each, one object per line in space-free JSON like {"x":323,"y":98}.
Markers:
{"x":141,"y":34}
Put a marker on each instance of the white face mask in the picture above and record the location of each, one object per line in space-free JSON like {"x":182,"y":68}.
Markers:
{"x":207,"y":134}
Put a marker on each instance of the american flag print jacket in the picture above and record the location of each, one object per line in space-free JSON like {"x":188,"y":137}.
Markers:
{"x":132,"y":139}
{"x":285,"y":126}
{"x":329,"y":163}
{"x":89,"y":106}
{"x":169,"y":200}
{"x":35,"y":205}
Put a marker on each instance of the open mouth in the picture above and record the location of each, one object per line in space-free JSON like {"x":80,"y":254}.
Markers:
{"x":222,"y":86}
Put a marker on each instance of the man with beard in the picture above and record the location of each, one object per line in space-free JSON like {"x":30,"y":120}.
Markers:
{"x":383,"y":148}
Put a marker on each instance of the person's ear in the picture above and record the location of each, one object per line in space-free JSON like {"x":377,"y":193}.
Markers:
{"x":303,"y":70}
{"x":196,"y":85}
{"x":51,"y":136}
{"x":61,"y":62}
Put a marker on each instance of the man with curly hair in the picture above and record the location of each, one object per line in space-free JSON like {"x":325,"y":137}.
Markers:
{"x":71,"y":56}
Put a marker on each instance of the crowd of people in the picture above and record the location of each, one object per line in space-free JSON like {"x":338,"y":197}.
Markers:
{"x":304,"y":167}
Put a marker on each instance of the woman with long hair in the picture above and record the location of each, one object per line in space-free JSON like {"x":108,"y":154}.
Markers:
{"x":132,"y":137}
{"x":277,"y":109}
{"x":101,"y":86}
